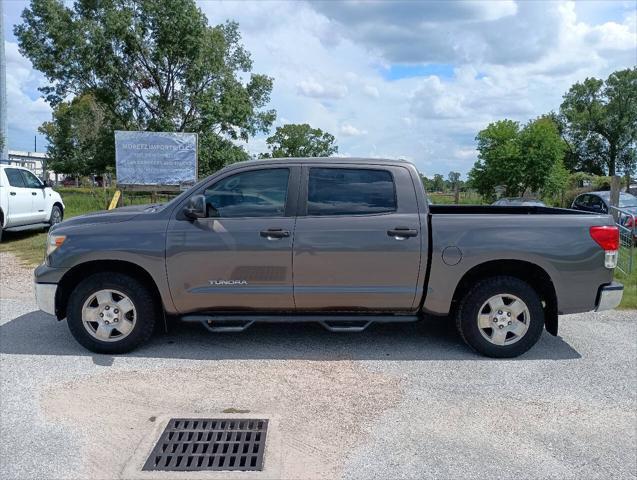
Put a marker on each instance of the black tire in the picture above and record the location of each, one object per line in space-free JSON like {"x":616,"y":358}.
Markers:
{"x":138,"y":293}
{"x":56,"y":212}
{"x":469,"y":310}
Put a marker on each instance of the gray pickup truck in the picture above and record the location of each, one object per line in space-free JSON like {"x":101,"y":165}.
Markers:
{"x":342,"y":242}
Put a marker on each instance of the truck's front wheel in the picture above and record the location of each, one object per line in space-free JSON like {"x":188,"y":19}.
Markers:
{"x":56,"y":215}
{"x":501,"y":317}
{"x":111,"y":313}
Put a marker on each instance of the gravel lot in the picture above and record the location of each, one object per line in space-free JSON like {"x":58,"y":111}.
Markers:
{"x":403,"y":401}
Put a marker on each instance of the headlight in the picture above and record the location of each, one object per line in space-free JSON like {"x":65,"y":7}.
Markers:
{"x":53,"y":242}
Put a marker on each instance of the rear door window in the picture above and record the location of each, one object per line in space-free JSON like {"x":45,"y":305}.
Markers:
{"x":15,"y":177}
{"x":350,"y":191}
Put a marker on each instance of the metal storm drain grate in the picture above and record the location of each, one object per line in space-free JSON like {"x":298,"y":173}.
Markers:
{"x":191,"y":444}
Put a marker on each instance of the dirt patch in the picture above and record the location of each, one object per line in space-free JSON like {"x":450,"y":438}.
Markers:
{"x":16,"y":280}
{"x":325,"y":408}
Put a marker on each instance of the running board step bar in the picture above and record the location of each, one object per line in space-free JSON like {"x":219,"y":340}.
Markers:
{"x":333,"y":323}
{"x":345,"y":326}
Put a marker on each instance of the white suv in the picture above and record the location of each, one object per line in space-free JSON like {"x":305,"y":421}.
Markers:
{"x":26,"y":202}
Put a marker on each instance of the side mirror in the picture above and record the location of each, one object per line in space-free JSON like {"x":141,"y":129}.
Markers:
{"x":196,"y":207}
{"x":47,"y":184}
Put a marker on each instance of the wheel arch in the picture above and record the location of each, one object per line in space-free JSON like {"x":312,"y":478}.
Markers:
{"x":79,"y":272}
{"x":528,"y":272}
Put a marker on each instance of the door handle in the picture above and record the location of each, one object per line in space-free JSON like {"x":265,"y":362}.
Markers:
{"x":274,"y":233}
{"x":12,"y":193}
{"x":34,"y":193}
{"x":401,"y":233}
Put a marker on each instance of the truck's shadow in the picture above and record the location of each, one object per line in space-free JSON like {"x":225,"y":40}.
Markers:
{"x":37,"y":333}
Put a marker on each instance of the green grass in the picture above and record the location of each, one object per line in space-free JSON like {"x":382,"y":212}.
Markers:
{"x":629,"y":300}
{"x":29,"y":246}
{"x":465,"y":198}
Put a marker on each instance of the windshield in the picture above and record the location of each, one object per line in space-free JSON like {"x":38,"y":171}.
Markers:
{"x":627,"y":200}
{"x":181,"y":196}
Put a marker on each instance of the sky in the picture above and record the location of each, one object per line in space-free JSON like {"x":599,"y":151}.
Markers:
{"x":403,"y":79}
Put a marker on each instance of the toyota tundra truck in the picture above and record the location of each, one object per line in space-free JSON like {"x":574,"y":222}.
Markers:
{"x":342,"y":242}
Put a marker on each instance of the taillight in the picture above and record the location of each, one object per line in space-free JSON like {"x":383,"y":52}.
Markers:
{"x":607,"y":237}
{"x":630,"y":221}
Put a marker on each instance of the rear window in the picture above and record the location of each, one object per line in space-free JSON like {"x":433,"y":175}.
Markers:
{"x":582,"y":200}
{"x":627,"y":200}
{"x":345,"y":191}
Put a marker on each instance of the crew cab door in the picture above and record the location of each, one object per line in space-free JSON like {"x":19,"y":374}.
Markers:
{"x":238,"y":258}
{"x":38,"y":196}
{"x":358,"y":244}
{"x":19,"y":210}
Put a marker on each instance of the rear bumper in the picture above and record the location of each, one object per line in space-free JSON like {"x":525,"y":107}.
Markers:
{"x":609,"y":296}
{"x":45,"y":296}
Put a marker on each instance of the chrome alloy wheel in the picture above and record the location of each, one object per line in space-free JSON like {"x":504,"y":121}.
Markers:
{"x":504,"y":319}
{"x":109,"y":315}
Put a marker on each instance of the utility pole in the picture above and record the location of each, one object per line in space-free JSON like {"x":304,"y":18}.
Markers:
{"x":4,"y":153}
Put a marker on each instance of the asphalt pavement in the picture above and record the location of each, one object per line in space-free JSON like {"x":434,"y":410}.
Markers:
{"x":395,"y":401}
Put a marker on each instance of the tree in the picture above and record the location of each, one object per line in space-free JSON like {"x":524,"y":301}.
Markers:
{"x":541,"y":148}
{"x":453,"y":179}
{"x":556,"y":182}
{"x":498,"y":159}
{"x":300,"y":140}
{"x":80,"y":137}
{"x":151,"y":65}
{"x":519,"y":160}
{"x":628,"y":164}
{"x":427,"y":183}
{"x":601,"y":121}
{"x":438,"y":183}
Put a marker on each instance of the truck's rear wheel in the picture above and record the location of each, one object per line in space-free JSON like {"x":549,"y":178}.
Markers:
{"x":111,"y":313}
{"x":501,"y":317}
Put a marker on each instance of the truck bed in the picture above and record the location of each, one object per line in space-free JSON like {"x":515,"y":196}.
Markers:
{"x":501,"y":210}
{"x":558,"y":240}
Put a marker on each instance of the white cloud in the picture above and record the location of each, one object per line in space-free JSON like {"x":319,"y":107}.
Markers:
{"x":330,"y":64}
{"x":349,"y":130}
{"x":312,"y":88}
{"x":26,"y":110}
{"x":509,"y":59}
{"x":371,"y":91}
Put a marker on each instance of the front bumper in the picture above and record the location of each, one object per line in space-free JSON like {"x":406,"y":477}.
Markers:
{"x":45,"y":296}
{"x":609,"y":296}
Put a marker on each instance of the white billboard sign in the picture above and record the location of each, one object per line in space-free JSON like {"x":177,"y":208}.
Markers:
{"x":155,"y":158}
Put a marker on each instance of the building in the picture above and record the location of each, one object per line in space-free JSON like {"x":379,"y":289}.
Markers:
{"x":34,"y":161}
